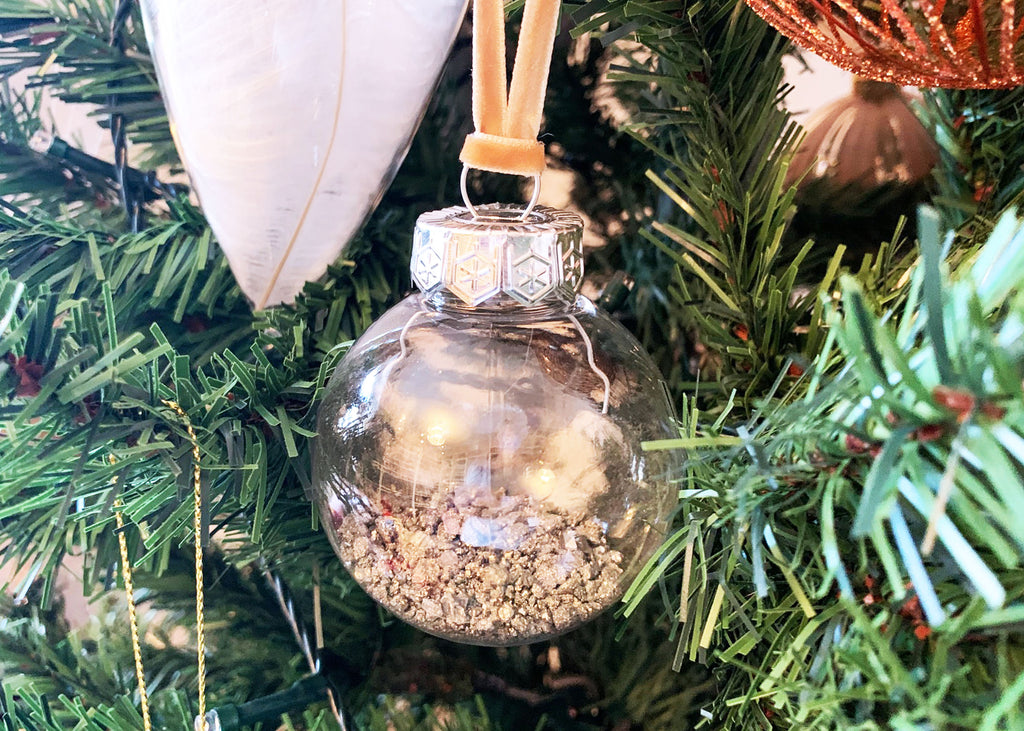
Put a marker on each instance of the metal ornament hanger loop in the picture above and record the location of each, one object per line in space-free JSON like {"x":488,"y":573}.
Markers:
{"x":534,"y":198}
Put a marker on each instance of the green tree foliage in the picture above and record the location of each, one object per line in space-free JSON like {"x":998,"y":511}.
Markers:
{"x":835,"y":410}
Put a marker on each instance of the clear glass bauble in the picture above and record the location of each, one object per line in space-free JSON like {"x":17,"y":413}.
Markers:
{"x":479,"y":468}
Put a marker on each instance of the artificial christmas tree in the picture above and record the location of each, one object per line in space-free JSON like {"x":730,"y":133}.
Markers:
{"x":847,"y":547}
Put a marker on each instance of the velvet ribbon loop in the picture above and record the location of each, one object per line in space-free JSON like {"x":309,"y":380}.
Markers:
{"x":507,"y":122}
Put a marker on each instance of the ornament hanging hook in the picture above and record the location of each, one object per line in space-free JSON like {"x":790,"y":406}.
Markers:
{"x":534,"y":197}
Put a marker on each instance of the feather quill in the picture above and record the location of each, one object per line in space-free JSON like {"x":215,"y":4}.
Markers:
{"x":291,"y":117}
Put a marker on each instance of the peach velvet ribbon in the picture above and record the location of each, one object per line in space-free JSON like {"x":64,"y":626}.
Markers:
{"x":507,"y":123}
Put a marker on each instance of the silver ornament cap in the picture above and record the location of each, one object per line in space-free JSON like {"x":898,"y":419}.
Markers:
{"x":498,"y":254}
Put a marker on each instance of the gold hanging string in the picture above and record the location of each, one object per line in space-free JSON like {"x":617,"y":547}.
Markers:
{"x":129,"y":592}
{"x":197,"y":526}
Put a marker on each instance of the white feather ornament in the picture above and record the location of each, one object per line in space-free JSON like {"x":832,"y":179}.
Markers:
{"x":292,"y":117}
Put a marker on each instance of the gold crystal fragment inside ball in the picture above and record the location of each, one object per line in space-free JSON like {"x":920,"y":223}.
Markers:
{"x":479,"y":462}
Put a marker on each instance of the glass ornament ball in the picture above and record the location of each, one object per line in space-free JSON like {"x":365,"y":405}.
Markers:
{"x":479,"y":465}
{"x":868,"y":140}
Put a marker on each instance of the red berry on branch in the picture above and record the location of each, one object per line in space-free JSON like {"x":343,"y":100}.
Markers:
{"x":29,"y":374}
{"x":38,"y":39}
{"x":90,"y":407}
{"x":983,"y":192}
{"x":960,"y":402}
{"x":929,"y":432}
{"x":992,"y":411}
{"x":195,"y":324}
{"x":857,"y":445}
{"x":723,"y":215}
{"x":911,"y":609}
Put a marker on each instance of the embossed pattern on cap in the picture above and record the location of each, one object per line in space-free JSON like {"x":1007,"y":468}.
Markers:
{"x":477,"y":259}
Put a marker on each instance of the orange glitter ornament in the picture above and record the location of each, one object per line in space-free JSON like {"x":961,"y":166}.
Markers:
{"x":953,"y":44}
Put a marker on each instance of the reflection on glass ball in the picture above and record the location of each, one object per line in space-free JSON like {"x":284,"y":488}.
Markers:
{"x":480,"y":471}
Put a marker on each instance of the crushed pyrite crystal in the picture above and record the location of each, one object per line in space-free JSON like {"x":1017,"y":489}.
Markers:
{"x":493,"y":573}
